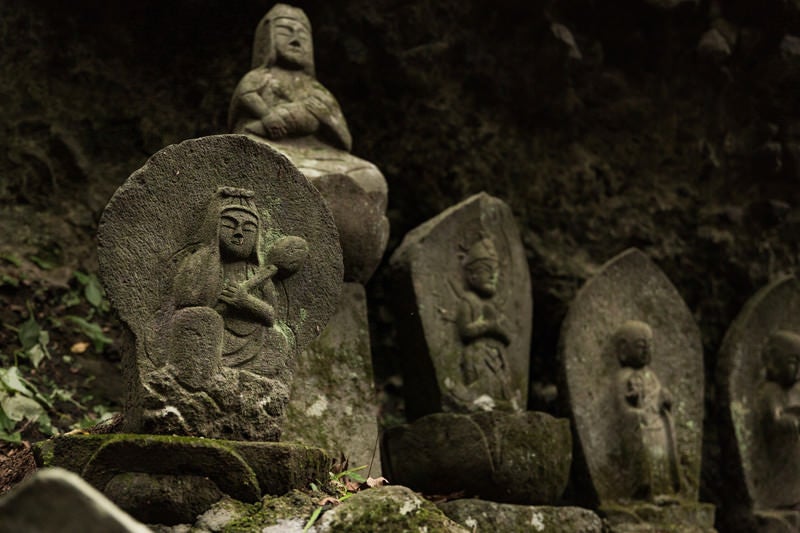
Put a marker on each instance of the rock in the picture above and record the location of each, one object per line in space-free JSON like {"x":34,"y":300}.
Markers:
{"x":54,"y":500}
{"x":464,"y":311}
{"x":204,"y":359}
{"x":170,"y":480}
{"x":332,"y":403}
{"x":633,"y":368}
{"x":222,"y":513}
{"x":758,"y":391}
{"x":393,"y":508}
{"x":507,"y":457}
{"x":714,"y":46}
{"x":281,"y":103}
{"x":643,"y":517}
{"x":482,"y":516}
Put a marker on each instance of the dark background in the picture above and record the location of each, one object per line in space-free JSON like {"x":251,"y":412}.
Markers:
{"x":634,"y":136}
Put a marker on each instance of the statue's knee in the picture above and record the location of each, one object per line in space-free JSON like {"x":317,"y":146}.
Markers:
{"x":197,"y":319}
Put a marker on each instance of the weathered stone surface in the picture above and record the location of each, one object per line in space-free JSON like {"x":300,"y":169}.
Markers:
{"x":170,"y":480}
{"x":280,"y":102}
{"x":643,"y":517}
{"x":211,"y":358}
{"x":392,"y":508}
{"x":57,"y":500}
{"x":482,"y":516}
{"x":633,"y":371}
{"x":332,"y":403}
{"x":508,"y":457}
{"x":760,"y":401}
{"x":464,"y":310}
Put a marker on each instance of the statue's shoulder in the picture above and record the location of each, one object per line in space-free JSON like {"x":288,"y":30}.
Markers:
{"x":255,"y":80}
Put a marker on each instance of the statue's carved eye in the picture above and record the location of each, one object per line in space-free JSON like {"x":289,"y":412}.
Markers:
{"x":249,"y":227}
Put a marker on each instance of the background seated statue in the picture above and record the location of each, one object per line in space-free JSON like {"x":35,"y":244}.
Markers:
{"x":485,"y":334}
{"x":280,"y":102}
{"x":224,"y":283}
{"x":779,"y":408}
{"x":645,"y":405}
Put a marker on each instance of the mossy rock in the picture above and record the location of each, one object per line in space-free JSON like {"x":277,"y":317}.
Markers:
{"x":481,"y":515}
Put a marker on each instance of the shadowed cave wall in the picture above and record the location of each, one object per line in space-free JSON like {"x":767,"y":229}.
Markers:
{"x":604,"y":125}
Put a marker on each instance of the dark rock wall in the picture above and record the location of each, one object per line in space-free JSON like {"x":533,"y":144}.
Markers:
{"x":603,"y":124}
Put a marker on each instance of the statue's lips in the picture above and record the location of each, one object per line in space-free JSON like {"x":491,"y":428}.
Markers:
{"x":236,"y":241}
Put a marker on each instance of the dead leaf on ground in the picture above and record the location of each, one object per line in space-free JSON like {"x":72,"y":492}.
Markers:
{"x":79,"y":347}
{"x":373,"y":482}
{"x":328,"y":499}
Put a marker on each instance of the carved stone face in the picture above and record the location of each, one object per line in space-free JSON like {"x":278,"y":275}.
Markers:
{"x":293,"y":46}
{"x":482,"y":277}
{"x":634,"y":345}
{"x":238,"y":233}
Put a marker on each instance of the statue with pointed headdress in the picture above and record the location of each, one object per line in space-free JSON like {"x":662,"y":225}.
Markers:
{"x":280,"y":102}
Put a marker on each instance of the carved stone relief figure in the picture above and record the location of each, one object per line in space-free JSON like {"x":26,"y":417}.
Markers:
{"x":280,"y":102}
{"x":223,"y":263}
{"x":645,"y":407}
{"x":779,"y":412}
{"x":221,"y":281}
{"x":484,"y":331}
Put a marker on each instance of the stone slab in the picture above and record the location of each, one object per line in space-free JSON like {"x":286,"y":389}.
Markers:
{"x":333,"y":403}
{"x":464,"y":347}
{"x":506,"y":457}
{"x":630,"y":287}
{"x":761,"y":475}
{"x":484,"y":516}
{"x":160,"y":270}
{"x":54,"y":499}
{"x":171,"y":479}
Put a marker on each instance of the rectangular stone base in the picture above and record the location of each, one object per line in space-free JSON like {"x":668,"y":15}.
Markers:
{"x":641,"y":517}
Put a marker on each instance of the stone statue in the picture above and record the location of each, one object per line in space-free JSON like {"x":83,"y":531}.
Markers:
{"x":222,"y":283}
{"x":779,"y":411}
{"x":223,"y":263}
{"x":646,"y":409}
{"x":759,"y":425}
{"x":280,"y":102}
{"x":635,"y":391}
{"x":464,"y":311}
{"x":484,"y":329}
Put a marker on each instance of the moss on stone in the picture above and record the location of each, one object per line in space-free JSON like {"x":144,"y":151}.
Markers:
{"x":270,"y":510}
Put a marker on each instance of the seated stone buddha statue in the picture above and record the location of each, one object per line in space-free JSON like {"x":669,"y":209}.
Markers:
{"x":280,"y":102}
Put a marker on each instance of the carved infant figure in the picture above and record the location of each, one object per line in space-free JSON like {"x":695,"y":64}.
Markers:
{"x":484,"y":332}
{"x":645,"y":405}
{"x":779,"y":397}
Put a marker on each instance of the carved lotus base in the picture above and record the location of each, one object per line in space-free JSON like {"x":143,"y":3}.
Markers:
{"x":505,"y":457}
{"x":170,"y":480}
{"x":682,"y":517}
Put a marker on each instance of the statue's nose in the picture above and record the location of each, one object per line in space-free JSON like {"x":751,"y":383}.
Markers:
{"x":295,"y":42}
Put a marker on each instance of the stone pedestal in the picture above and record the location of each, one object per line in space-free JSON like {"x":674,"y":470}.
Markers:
{"x":482,"y":516}
{"x":640,"y":517}
{"x":505,"y":457}
{"x":332,"y":403}
{"x":170,"y":480}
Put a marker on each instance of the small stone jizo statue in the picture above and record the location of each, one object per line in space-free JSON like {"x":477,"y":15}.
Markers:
{"x":779,"y":404}
{"x":645,"y":406}
{"x":483,"y":329}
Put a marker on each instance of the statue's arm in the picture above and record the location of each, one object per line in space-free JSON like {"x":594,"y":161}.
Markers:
{"x":480,"y":327}
{"x":248,"y":108}
{"x":321,"y":103}
{"x":236,"y":297}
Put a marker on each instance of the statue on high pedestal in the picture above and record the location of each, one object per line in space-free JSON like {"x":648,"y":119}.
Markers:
{"x":280,"y":102}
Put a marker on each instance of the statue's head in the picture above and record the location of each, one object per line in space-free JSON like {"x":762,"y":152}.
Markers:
{"x":283,"y":38}
{"x":633,"y":343}
{"x":781,"y":357}
{"x":482,"y":268}
{"x":239,"y":224}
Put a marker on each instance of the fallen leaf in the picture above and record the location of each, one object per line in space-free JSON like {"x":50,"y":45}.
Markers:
{"x":79,"y":347}
{"x":328,"y":499}
{"x":373,"y":482}
{"x":352,"y":486}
